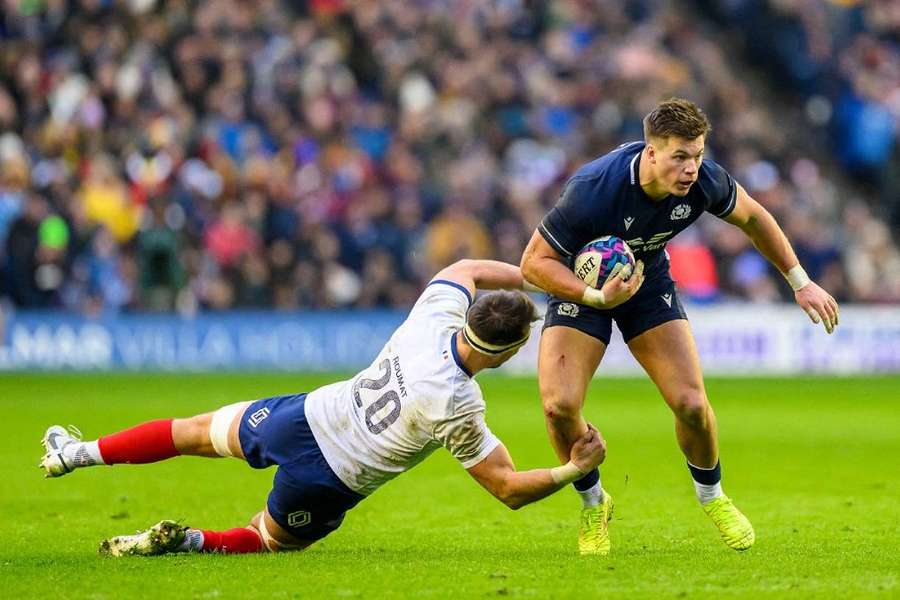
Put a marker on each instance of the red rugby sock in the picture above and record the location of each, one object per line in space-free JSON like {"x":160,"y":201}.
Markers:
{"x":240,"y":540}
{"x":145,"y":443}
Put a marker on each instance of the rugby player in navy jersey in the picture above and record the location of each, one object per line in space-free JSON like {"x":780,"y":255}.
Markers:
{"x":646,"y":193}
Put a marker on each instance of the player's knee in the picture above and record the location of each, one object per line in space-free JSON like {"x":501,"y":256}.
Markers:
{"x":692,"y":408}
{"x":273,"y":539}
{"x":191,"y":433}
{"x":271,"y":544}
{"x":561,"y":405}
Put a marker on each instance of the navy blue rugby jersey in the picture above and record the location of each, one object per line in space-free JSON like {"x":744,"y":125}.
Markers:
{"x":604,"y":197}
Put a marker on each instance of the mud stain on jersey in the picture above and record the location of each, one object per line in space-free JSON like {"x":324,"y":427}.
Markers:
{"x":466,"y":438}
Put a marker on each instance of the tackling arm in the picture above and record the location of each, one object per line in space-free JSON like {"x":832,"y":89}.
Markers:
{"x":760,"y":226}
{"x":485,"y":275}
{"x":498,"y":475}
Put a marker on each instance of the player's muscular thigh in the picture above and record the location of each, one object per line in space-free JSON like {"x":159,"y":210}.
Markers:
{"x":668,"y":354}
{"x":566,"y":363}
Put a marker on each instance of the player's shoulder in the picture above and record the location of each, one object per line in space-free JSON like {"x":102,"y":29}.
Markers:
{"x":449,"y":394}
{"x":424,"y":339}
{"x":611,"y":167}
{"x":439,"y":288}
{"x":715,"y":189}
{"x":713,"y":180}
{"x":467,"y":397}
{"x":712,"y":172}
{"x":443,"y":302}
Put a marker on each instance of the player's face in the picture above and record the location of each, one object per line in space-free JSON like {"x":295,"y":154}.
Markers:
{"x":678,"y":163}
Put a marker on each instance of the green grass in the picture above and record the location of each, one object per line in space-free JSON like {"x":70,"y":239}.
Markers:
{"x":812,"y":462}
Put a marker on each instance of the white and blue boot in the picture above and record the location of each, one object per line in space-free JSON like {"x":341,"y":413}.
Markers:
{"x":55,"y":463}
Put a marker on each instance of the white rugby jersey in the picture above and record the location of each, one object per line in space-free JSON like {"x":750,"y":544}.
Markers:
{"x":415,"y":397}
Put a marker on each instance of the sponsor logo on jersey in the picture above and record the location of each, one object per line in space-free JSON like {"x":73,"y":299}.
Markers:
{"x":654,"y":243}
{"x":567,"y":309}
{"x":682,"y":211}
{"x":258,"y":417}
{"x":628,"y":222}
{"x":299,"y":518}
{"x":667,"y":298}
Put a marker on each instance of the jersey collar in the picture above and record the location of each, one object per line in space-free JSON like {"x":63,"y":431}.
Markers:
{"x":456,"y":358}
{"x":634,"y":169}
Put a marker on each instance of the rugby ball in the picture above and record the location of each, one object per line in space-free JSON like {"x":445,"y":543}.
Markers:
{"x":595,"y":263}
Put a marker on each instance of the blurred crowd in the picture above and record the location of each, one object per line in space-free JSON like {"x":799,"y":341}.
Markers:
{"x":843,"y":58}
{"x":215,"y":154}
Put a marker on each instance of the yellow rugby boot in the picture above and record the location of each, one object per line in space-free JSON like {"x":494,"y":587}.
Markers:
{"x":736,"y":530}
{"x":593,"y":532}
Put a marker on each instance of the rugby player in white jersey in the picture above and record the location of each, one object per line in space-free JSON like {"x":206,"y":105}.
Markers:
{"x":341,"y":442}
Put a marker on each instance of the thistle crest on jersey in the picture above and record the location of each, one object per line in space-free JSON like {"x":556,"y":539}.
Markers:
{"x":596,"y":261}
{"x":682,"y":211}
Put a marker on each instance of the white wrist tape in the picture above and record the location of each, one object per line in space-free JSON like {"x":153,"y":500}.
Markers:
{"x":593,"y":297}
{"x":566,"y":473}
{"x":797,"y":277}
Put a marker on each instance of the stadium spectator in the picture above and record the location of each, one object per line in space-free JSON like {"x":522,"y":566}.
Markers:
{"x":35,"y":255}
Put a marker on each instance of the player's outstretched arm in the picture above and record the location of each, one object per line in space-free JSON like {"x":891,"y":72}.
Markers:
{"x":485,"y":275}
{"x":543,"y":266}
{"x":762,"y":229}
{"x":498,"y":475}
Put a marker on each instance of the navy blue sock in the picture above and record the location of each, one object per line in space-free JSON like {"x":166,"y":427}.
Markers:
{"x":588,"y":481}
{"x":705,"y":476}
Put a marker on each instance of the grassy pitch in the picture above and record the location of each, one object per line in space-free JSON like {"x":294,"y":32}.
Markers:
{"x":812,"y":462}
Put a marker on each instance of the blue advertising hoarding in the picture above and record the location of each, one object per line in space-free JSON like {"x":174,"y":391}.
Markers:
{"x":309,"y":341}
{"x":732,"y":340}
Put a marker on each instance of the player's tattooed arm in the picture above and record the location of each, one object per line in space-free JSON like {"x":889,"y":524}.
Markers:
{"x":760,"y":226}
{"x":498,"y":475}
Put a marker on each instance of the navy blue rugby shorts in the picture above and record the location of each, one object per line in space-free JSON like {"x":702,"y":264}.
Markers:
{"x":307,"y":498}
{"x":657,"y":302}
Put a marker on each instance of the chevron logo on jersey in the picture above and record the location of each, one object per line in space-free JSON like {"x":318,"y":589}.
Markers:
{"x":667,"y":298}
